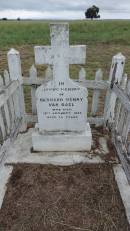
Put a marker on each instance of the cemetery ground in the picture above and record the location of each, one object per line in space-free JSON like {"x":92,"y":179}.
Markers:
{"x":67,"y":196}
{"x":49,"y":198}
{"x":76,"y":197}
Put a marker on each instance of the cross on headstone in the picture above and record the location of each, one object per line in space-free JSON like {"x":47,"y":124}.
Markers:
{"x":60,"y":54}
{"x":61,"y":103}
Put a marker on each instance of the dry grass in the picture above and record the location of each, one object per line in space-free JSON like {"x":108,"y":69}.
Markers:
{"x":48,"y":198}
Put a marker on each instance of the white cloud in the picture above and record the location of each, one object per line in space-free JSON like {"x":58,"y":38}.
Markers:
{"x":24,"y":14}
{"x":71,"y":9}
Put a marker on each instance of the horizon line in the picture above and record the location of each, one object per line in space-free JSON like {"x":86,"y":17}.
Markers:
{"x":78,"y":19}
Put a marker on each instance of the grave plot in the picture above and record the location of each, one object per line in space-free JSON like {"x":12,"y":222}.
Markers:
{"x":80,"y":197}
{"x":92,"y":191}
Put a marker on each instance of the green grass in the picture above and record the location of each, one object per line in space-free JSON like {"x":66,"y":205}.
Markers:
{"x":14,"y":33}
{"x":104,"y":39}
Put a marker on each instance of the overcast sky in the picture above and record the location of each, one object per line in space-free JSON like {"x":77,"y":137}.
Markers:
{"x":63,"y":9}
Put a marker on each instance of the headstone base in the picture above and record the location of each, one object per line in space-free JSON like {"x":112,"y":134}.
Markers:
{"x":59,"y":141}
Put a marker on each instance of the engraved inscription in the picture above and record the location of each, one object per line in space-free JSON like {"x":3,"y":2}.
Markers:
{"x":60,"y":107}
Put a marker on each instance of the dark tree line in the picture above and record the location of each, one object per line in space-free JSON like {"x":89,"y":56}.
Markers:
{"x":92,"y":12}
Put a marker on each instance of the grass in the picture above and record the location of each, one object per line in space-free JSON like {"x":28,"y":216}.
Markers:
{"x":81,"y":32}
{"x":103,"y":39}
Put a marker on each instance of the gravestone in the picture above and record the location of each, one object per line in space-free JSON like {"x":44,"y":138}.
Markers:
{"x":61,"y":104}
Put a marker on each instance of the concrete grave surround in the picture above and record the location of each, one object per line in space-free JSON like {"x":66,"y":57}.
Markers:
{"x":61,"y":104}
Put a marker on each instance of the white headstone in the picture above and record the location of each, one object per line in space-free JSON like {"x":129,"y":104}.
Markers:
{"x":61,"y":104}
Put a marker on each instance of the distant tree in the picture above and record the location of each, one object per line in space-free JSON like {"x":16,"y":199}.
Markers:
{"x":4,"y":19}
{"x":92,"y":12}
{"x":18,"y":19}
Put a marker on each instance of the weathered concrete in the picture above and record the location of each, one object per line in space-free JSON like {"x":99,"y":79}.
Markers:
{"x":103,"y":144}
{"x":20,"y":152}
{"x":63,"y":141}
{"x":5,"y":172}
{"x":124,"y":188}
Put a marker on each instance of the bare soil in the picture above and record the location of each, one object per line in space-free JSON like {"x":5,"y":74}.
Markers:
{"x":49,"y":198}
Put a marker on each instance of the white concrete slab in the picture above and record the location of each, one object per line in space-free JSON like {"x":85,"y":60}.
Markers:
{"x":5,"y":173}
{"x":103,"y":144}
{"x":124,"y":188}
{"x":20,"y":152}
{"x":63,"y":141}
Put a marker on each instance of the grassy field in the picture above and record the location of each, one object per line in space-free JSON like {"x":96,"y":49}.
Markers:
{"x":104,"y":39}
{"x":81,"y":32}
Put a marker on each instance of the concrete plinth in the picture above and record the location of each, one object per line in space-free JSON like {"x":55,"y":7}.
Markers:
{"x":73,"y":141}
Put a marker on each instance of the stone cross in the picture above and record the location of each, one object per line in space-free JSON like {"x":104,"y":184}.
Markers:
{"x":61,"y":103}
{"x":60,"y":54}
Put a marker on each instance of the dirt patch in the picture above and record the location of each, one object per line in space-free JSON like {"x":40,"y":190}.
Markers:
{"x":96,"y":150}
{"x":48,"y":198}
